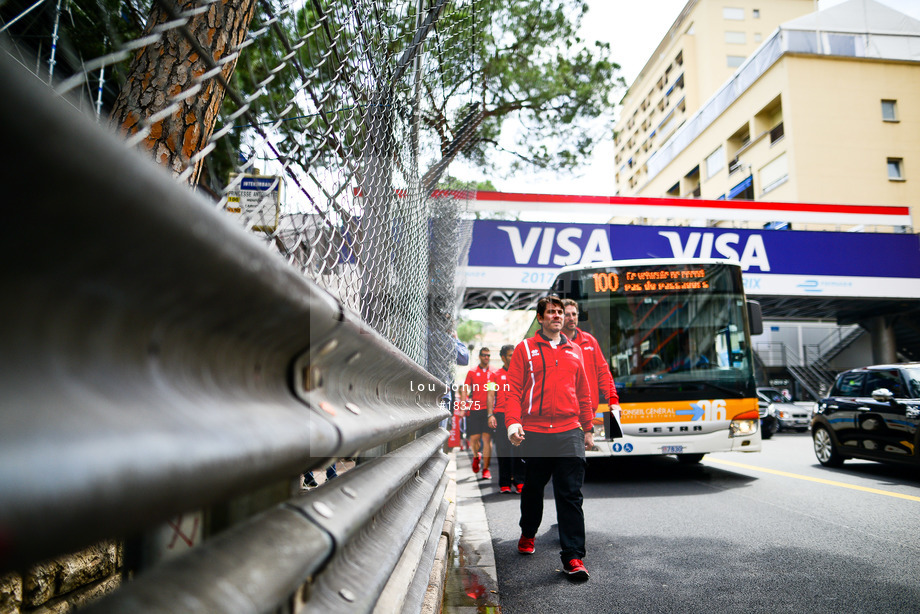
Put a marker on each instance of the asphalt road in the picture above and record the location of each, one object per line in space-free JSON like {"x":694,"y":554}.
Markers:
{"x":762,"y":532}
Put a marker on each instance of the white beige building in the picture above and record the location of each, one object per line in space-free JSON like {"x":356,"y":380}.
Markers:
{"x":708,"y":41}
{"x":826,"y":110}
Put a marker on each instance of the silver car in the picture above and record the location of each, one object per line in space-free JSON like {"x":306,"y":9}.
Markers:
{"x":788,"y":415}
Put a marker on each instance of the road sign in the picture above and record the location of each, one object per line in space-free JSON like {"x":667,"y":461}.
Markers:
{"x":258,"y":200}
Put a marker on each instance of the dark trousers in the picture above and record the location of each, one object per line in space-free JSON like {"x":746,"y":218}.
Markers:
{"x":510,"y":463}
{"x":560,"y":456}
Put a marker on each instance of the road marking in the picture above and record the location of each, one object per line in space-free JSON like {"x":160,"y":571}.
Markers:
{"x":818,"y":480}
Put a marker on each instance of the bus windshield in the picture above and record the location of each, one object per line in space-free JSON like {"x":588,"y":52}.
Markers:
{"x":669,"y":331}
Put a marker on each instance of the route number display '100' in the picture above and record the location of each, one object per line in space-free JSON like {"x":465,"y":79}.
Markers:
{"x":651,"y":281}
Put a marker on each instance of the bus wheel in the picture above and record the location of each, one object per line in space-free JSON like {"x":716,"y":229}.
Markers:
{"x":689,"y":459}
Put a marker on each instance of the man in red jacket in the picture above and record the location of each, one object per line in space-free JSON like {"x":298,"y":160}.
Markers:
{"x":548,"y":413}
{"x":474,"y":396}
{"x":599,"y":377}
{"x":510,"y":464}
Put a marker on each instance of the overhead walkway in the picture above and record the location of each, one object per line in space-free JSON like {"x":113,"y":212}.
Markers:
{"x":866,"y":278}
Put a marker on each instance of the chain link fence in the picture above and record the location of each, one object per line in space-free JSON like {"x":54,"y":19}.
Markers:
{"x":320,"y":125}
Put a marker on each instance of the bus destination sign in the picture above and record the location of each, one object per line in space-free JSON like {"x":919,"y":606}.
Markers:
{"x":651,"y":281}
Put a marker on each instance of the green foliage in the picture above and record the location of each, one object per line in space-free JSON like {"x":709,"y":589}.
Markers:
{"x":531,"y":65}
{"x":452,"y":183}
{"x":87,"y":30}
{"x":520,"y":64}
{"x":469,"y":330}
{"x":260,"y":68}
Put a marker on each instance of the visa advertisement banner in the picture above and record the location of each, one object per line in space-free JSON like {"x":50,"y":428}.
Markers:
{"x":526,"y":256}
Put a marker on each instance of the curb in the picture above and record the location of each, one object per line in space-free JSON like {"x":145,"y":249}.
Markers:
{"x":464,"y":577}
{"x":437,"y":581}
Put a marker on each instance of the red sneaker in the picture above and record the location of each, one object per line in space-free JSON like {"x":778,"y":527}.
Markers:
{"x":520,"y":487}
{"x":525,"y":545}
{"x":486,"y":474}
{"x":506,"y":489}
{"x":575,"y":569}
{"x":476,"y":462}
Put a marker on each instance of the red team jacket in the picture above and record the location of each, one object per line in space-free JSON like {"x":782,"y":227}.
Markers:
{"x":549,"y":391}
{"x":477,"y":380}
{"x":500,"y":381}
{"x":597,"y":369}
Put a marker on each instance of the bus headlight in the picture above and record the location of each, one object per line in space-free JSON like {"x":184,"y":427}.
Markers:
{"x":744,"y":425}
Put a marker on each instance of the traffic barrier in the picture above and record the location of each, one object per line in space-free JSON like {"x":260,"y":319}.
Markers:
{"x":157,"y":359}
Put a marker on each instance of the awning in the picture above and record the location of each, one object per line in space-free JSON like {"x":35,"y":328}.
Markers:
{"x":741,"y":187}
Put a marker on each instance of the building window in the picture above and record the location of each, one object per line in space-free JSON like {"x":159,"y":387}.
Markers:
{"x":735,"y":38}
{"x":896,"y":169}
{"x":777,"y":132}
{"x":755,"y":13}
{"x":734,"y":14}
{"x":734,"y":166}
{"x":774,"y":173}
{"x":734,"y":61}
{"x":757,"y":37}
{"x":669,"y":123}
{"x":715,"y":161}
{"x":890,"y":110}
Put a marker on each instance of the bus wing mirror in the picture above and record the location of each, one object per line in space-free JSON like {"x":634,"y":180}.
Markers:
{"x":755,"y":318}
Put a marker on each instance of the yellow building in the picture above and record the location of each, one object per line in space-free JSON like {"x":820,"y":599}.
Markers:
{"x":826,"y":110}
{"x":708,"y":41}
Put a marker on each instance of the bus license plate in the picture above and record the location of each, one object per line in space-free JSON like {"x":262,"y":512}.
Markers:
{"x":672,"y":449}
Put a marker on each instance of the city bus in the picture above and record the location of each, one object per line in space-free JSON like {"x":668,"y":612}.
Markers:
{"x":677,"y":337}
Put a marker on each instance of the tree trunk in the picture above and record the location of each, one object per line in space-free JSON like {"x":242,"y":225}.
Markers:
{"x":170,"y":66}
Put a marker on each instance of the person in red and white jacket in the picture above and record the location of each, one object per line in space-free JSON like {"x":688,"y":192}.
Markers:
{"x":474,"y":397}
{"x":548,"y":413}
{"x":599,"y":377}
{"x":510,"y":464}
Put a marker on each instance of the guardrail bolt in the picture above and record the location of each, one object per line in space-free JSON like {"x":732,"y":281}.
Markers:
{"x":347,"y":595}
{"x":322,"y":509}
{"x":328,"y":347}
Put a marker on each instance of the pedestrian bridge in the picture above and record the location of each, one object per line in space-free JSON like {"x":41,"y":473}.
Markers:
{"x":850,"y":277}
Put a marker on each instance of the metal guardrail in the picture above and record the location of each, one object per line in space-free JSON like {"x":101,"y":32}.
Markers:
{"x":158,"y":359}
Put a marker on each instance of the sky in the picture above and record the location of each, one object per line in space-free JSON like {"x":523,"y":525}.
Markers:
{"x":633,"y":30}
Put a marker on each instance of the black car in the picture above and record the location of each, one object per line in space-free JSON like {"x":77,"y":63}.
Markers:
{"x":872,"y":413}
